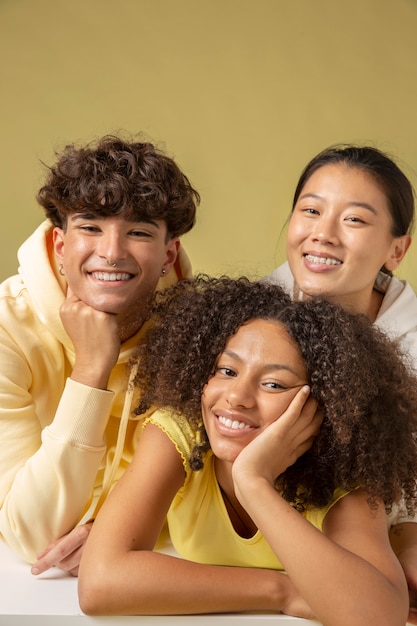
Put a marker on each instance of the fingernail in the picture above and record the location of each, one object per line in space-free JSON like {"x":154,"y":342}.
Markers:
{"x":35,"y":571}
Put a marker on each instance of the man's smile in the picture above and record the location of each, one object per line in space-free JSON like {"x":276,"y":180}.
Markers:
{"x":111,"y":276}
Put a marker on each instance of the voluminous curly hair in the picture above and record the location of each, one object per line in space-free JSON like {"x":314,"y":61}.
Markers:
{"x":364,"y":389}
{"x":114,"y":177}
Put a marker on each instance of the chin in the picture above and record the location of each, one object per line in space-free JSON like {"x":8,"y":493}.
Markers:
{"x":109,"y":307}
{"x":226,"y":454}
{"x":312,"y":289}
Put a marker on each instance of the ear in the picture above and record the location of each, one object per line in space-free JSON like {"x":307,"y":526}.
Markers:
{"x":58,"y":243}
{"x":171,"y":252}
{"x":399,"y":247}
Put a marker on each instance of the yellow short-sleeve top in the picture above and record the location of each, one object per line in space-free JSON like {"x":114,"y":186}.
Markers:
{"x":199,"y":525}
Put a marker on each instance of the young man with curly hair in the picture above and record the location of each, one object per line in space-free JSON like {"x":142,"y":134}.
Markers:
{"x":69,"y":321}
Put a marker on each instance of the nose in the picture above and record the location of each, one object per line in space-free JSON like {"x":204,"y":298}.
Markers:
{"x":111,"y":246}
{"x":325,"y":230}
{"x":240,"y":394}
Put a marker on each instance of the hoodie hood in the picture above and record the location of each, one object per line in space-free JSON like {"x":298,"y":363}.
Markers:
{"x":38,"y":269}
{"x":397,"y":315}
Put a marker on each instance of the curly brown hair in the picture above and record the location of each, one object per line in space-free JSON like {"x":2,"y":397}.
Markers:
{"x":116,"y":177}
{"x":364,"y":388}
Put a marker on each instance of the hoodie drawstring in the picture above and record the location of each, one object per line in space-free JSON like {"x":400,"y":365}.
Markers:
{"x":121,"y":436}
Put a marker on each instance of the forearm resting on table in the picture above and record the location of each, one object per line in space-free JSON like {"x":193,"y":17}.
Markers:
{"x":150,"y":583}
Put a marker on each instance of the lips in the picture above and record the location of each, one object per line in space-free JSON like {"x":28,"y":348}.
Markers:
{"x":111,"y":276}
{"x":233,"y":424}
{"x":322,"y":260}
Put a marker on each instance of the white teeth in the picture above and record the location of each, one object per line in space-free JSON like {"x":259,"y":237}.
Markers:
{"x":111,"y":276}
{"x":232,"y":423}
{"x":322,"y":260}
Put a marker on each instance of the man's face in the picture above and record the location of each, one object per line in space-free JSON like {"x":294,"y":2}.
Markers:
{"x":111,"y":264}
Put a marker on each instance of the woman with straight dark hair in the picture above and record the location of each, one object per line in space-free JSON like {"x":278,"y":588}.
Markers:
{"x":350,"y":227}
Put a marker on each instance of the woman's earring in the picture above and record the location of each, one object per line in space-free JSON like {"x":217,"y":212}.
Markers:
{"x":61,"y":269}
{"x":163,"y":271}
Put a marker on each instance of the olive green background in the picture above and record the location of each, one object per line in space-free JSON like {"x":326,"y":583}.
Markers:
{"x":242,"y":93}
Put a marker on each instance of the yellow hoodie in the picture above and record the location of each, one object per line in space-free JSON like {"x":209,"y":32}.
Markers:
{"x":59,"y":439}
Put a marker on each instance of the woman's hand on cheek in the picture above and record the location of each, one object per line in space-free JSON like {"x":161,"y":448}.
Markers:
{"x":281,"y":444}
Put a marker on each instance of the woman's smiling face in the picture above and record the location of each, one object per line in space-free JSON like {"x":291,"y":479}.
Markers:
{"x":340,"y":235}
{"x":255,"y":378}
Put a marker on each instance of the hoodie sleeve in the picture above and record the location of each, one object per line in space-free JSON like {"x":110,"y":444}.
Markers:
{"x":51,"y":432}
{"x":42,"y":496}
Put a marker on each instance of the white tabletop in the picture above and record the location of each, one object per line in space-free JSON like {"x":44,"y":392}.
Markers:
{"x":51,"y":600}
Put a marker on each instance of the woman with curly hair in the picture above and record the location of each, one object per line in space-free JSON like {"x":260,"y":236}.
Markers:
{"x":252,"y":485}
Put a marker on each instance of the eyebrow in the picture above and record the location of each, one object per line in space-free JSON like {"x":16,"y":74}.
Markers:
{"x":267,"y":367}
{"x":363,"y":205}
{"x":96,"y":216}
{"x":83,"y":216}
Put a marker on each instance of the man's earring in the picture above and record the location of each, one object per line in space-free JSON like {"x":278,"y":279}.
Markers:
{"x":61,"y":269}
